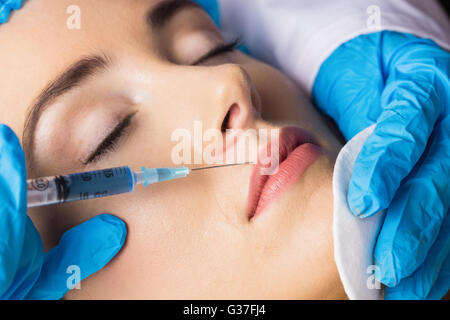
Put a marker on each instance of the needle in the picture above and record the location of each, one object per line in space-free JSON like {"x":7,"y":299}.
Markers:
{"x":221,"y":166}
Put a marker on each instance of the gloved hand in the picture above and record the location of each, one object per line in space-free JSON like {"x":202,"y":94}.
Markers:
{"x":401,"y":83}
{"x":6,"y":6}
{"x":26,"y":272}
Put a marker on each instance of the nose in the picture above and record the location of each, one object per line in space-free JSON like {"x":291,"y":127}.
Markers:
{"x":235,"y":97}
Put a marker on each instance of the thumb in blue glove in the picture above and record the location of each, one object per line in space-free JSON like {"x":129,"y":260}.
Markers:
{"x":26,"y":272}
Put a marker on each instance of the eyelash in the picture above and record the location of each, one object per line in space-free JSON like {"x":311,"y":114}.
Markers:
{"x":221,"y":49}
{"x":110,"y":142}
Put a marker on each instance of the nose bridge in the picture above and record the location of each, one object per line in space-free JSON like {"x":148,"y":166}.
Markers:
{"x":233,"y":83}
{"x":233,"y":94}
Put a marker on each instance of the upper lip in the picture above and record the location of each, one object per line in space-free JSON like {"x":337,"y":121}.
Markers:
{"x":289,"y":139}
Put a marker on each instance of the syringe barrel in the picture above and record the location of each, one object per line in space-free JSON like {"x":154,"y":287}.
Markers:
{"x":79,"y":186}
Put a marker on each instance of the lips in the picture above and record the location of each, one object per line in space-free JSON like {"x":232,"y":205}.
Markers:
{"x":297,"y":152}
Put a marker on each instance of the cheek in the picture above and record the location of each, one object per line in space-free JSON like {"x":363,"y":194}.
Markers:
{"x":281,"y":100}
{"x":173,"y":243}
{"x":156,"y":236}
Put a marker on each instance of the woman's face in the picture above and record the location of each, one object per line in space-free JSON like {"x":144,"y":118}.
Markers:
{"x":115,"y":90}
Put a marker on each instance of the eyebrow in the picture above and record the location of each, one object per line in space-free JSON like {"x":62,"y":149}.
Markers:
{"x":68,"y":80}
{"x":164,"y":11}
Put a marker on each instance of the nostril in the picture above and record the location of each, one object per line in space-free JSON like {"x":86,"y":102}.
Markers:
{"x":225,"y":122}
{"x":232,"y":117}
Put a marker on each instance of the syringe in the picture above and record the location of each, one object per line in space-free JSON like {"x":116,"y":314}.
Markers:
{"x":99,"y":183}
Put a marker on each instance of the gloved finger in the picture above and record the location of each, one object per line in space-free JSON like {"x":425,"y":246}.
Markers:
{"x":442,"y":285}
{"x":430,"y":274}
{"x":13,"y":219}
{"x":86,"y":249}
{"x":415,"y":216}
{"x":12,"y":172}
{"x":349,"y":84}
{"x":6,"y":7}
{"x":26,"y":272}
{"x":393,"y":149}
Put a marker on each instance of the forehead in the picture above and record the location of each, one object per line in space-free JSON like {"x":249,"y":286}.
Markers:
{"x":39,"y":41}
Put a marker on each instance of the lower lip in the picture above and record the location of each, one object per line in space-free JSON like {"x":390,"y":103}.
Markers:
{"x":289,"y":172}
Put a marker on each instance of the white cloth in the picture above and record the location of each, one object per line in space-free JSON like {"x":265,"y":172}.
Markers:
{"x":298,"y":35}
{"x":354,"y":238}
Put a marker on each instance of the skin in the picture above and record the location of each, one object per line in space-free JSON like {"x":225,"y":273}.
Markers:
{"x":188,"y":238}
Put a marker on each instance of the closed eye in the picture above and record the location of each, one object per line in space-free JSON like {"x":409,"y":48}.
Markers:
{"x":221,"y":49}
{"x":110,"y":142}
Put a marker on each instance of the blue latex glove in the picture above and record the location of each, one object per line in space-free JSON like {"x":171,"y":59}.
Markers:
{"x":401,"y":83}
{"x":6,"y":6}
{"x":26,"y":272}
